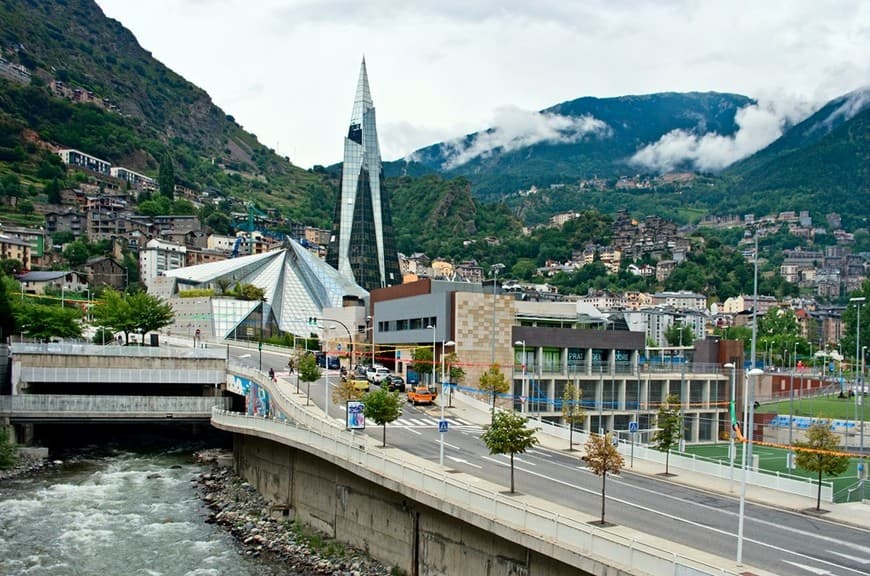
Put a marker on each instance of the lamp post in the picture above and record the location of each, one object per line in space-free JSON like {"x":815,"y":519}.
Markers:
{"x":524,"y":392}
{"x":432,"y":327}
{"x":753,"y":341}
{"x":441,"y":434}
{"x":494,"y":269}
{"x":791,"y":394}
{"x":859,"y":301}
{"x":371,"y":320}
{"x":755,"y":372}
{"x":731,"y":366}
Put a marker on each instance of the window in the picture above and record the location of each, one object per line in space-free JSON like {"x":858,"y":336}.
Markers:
{"x":551,"y":360}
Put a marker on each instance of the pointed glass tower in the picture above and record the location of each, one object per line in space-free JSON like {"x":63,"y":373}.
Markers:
{"x":362,"y":246}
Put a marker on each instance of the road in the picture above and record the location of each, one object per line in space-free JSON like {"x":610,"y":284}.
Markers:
{"x":776,"y":540}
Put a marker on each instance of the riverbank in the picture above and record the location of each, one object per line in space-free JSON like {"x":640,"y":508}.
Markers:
{"x":239,"y":509}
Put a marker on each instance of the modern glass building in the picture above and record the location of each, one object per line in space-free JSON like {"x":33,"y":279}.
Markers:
{"x":362,"y":247}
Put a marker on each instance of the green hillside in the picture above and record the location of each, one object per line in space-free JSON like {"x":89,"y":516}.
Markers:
{"x":139,"y":111}
{"x":624,"y":125}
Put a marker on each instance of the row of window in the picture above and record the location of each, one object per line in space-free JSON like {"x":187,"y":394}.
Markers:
{"x":406,"y":324}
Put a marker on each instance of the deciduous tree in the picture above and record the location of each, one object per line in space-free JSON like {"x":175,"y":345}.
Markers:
{"x":494,"y":382}
{"x":602,"y":456}
{"x":508,"y":434}
{"x":670,"y":427}
{"x":382,"y":407}
{"x":309,"y":372}
{"x":818,"y":454}
{"x":572,"y":410}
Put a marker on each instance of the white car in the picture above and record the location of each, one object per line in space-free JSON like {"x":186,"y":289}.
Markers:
{"x":377,"y":374}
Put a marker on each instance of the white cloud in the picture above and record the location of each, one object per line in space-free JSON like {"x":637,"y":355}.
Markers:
{"x":445,"y":66}
{"x":758,"y":125}
{"x":513,"y":128}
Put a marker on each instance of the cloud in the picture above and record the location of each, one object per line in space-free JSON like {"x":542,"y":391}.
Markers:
{"x":855,"y":102}
{"x":758,"y":125}
{"x":514,"y":128}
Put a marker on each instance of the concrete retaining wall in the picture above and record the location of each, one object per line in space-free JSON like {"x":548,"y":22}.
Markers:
{"x":394,"y":529}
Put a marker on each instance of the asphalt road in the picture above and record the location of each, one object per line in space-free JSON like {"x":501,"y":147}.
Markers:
{"x":776,"y":540}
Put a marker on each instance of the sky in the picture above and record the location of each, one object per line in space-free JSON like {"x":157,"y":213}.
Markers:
{"x":287,"y":69}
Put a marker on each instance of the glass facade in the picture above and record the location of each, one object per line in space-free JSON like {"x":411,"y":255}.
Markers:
{"x":362,"y":246}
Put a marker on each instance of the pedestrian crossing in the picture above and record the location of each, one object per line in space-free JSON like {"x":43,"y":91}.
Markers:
{"x":429,"y":423}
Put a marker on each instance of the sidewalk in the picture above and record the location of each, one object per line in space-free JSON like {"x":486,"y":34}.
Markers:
{"x":853,"y":513}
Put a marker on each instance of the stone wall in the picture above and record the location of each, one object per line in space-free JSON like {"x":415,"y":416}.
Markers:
{"x":396,"y":530}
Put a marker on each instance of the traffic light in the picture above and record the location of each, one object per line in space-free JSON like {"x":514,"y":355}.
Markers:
{"x":312,"y":321}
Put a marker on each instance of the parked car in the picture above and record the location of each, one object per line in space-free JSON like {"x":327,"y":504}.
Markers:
{"x":395,"y":383}
{"x":421,"y":395}
{"x":361,"y":385}
{"x":377,"y":375}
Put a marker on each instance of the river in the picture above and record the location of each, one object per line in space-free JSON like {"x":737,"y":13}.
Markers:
{"x":127,"y":514}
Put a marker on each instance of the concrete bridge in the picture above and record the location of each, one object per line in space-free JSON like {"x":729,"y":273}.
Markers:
{"x":76,"y":383}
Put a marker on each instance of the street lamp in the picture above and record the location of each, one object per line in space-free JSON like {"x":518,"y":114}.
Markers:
{"x":524,"y":390}
{"x":432,"y":327}
{"x":859,"y":301}
{"x":731,"y":366}
{"x":494,"y":269}
{"x":755,"y":372}
{"x":371,"y":320}
{"x":443,"y":379}
{"x":791,"y":394}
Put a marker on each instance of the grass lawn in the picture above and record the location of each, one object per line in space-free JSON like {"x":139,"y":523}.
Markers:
{"x":773,"y":460}
{"x":818,"y":407}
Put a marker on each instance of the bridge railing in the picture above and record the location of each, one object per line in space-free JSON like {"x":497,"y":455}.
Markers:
{"x":82,"y":349}
{"x":28,"y":404}
{"x":567,"y":529}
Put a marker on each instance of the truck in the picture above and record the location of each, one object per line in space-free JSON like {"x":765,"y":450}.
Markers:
{"x":422,"y":395}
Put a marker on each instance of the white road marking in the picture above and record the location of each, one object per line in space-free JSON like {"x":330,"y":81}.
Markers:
{"x":814,"y":570}
{"x":463,"y":461}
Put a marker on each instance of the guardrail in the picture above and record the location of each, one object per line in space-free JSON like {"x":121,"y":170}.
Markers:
{"x":563,"y":529}
{"x":59,"y":404}
{"x":69,"y":349}
{"x":153,"y":375}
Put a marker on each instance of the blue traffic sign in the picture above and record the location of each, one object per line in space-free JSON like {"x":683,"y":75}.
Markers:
{"x":442,"y":426}
{"x":632,"y":427}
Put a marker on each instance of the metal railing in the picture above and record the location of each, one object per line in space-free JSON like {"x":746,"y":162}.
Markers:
{"x":550,"y":524}
{"x":74,"y":375}
{"x":73,"y":349}
{"x":60,"y":405}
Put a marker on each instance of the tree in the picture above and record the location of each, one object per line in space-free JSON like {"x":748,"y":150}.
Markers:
{"x":508,"y":434}
{"x":43,"y":322}
{"x":670,"y":427}
{"x":166,"y":177}
{"x":345,"y":390}
{"x":309,"y":371}
{"x":8,"y":288}
{"x":421,"y":360}
{"x":818,"y":454}
{"x":494,"y":382}
{"x":52,"y":192}
{"x":7,"y":450}
{"x":150,"y":312}
{"x":602,"y":456}
{"x":572,"y":410}
{"x":382,"y":407}
{"x":26,"y":207}
{"x":76,"y":253}
{"x":131,"y":313}
{"x":679,"y":334}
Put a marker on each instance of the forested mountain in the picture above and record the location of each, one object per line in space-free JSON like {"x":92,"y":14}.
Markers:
{"x":137,"y":110}
{"x":822,"y":163}
{"x":581,"y":139}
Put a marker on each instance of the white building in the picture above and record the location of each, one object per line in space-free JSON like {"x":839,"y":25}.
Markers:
{"x":654,"y":322}
{"x":159,"y":257}
{"x":682,"y":300}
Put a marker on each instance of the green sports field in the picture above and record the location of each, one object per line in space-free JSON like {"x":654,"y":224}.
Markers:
{"x":818,"y":407}
{"x":773,"y":460}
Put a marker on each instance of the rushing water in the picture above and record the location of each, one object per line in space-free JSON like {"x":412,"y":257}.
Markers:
{"x":125,"y":515}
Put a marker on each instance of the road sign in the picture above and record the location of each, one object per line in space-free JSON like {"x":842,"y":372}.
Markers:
{"x":442,"y":426}
{"x":632,"y":427}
